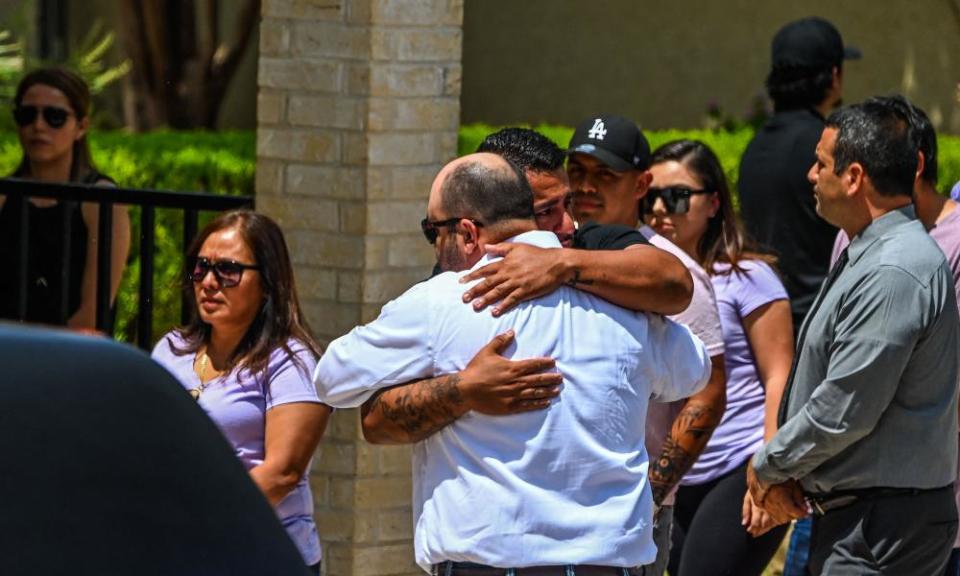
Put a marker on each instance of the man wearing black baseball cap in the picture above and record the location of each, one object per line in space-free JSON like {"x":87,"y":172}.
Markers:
{"x":611,"y":150}
{"x":776,"y":199}
{"x":608,"y":166}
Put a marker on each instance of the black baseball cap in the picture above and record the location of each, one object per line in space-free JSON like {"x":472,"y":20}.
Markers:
{"x":810,"y":43}
{"x":613,"y":140}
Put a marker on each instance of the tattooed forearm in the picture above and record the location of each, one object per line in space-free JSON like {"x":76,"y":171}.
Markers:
{"x":412,"y":412}
{"x":689,"y":435}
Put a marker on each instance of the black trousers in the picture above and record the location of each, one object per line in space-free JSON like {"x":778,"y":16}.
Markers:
{"x":708,"y":538}
{"x":908,"y":534}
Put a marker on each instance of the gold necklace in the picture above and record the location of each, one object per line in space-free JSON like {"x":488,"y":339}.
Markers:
{"x":196,"y":392}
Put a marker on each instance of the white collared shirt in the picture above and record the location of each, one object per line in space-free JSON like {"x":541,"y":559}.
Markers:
{"x":564,"y":485}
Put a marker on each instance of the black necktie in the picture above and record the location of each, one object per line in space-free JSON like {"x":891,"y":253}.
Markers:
{"x":831,"y":278}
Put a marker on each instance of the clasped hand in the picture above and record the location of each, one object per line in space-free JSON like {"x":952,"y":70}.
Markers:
{"x":766,"y":506}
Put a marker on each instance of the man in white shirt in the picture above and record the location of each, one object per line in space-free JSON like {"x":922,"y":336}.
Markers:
{"x":553,"y":489}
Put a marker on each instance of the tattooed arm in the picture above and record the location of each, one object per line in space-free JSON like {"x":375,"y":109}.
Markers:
{"x":690,"y":432}
{"x":490,"y":384}
{"x":411,"y":412}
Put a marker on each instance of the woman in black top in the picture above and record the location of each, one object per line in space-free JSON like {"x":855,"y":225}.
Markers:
{"x":51,"y":110}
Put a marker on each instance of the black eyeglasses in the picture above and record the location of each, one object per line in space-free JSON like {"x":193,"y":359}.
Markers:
{"x":432,"y":228}
{"x":54,"y":116}
{"x":676,"y":199}
{"x":227,"y":272}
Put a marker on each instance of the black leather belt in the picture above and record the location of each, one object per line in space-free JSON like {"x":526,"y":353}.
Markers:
{"x":820,"y":504}
{"x":471,"y":569}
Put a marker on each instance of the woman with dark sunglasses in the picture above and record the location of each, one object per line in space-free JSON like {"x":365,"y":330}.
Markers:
{"x":689,"y":203}
{"x":247,"y":357}
{"x":51,"y":109}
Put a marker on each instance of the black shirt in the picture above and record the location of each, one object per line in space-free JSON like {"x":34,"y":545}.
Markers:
{"x":593,"y":236}
{"x":778,"y":207}
{"x":45,"y":257}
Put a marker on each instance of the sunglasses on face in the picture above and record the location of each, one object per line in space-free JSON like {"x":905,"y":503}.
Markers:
{"x":54,"y":116}
{"x":676,"y":199}
{"x":227,"y":272}
{"x":431,"y":228}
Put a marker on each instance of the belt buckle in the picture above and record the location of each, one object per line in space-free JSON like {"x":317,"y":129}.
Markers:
{"x":814,"y":505}
{"x":820,"y":506}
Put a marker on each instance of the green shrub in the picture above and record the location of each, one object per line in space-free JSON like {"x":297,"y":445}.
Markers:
{"x":224,"y":163}
{"x":216,"y":162}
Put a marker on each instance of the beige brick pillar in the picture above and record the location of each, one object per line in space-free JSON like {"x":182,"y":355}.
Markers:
{"x":358,"y":107}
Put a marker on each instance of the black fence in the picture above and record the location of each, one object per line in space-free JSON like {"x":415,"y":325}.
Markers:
{"x":148,"y":200}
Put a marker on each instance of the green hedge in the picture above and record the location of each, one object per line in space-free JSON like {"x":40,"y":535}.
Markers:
{"x":224,"y":163}
{"x":218,"y":162}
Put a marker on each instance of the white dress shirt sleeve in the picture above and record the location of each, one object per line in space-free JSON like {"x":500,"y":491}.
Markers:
{"x":681,"y":359}
{"x":393,"y":349}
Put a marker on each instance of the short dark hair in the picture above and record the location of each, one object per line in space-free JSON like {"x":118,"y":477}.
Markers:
{"x":877,"y":135}
{"x":527,"y":149}
{"x":489,"y":194}
{"x":792,"y":87}
{"x":921,"y":131}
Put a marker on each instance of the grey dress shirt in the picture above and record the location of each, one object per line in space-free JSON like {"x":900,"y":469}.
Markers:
{"x":874,"y":395}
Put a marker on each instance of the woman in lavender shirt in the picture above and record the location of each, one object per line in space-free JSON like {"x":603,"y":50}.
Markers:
{"x":247,"y":357}
{"x":689,"y":203}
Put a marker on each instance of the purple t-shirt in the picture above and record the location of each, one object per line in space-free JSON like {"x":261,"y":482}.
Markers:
{"x":740,"y":432}
{"x":238,"y":406}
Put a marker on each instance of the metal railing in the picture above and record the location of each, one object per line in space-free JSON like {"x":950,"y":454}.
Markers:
{"x":106,"y":197}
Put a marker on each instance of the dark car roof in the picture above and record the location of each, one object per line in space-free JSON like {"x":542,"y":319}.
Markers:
{"x":107,"y":466}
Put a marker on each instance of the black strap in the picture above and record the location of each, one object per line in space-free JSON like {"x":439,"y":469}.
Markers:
{"x":831,"y":278}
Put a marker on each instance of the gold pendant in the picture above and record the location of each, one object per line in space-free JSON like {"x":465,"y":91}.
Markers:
{"x":195,"y":394}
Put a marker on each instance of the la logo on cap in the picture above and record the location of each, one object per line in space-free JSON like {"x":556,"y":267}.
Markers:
{"x":598,"y":131}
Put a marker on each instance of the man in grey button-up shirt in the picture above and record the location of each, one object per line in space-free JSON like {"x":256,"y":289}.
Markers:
{"x":869,"y":425}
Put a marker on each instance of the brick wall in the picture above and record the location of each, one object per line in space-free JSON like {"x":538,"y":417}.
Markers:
{"x":358,"y":108}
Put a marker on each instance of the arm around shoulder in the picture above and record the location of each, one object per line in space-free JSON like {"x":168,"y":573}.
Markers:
{"x":640,"y":277}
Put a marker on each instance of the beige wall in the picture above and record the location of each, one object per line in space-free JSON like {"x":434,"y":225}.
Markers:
{"x":661,"y":63}
{"x":358,"y":110}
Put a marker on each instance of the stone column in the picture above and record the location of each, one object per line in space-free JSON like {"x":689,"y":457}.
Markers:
{"x":358,"y":108}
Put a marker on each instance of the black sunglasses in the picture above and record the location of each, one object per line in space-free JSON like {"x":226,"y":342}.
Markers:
{"x":676,"y":199}
{"x":432,"y":228}
{"x":227,"y":272}
{"x":54,"y":116}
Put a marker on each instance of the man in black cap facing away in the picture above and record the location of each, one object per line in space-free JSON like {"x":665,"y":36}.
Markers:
{"x":776,"y":200}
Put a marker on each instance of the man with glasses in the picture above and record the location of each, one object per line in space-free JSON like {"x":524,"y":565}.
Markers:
{"x":558,"y":491}
{"x":608,"y":166}
{"x":641,"y":278}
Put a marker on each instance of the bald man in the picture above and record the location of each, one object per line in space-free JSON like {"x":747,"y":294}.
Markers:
{"x":558,"y":489}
